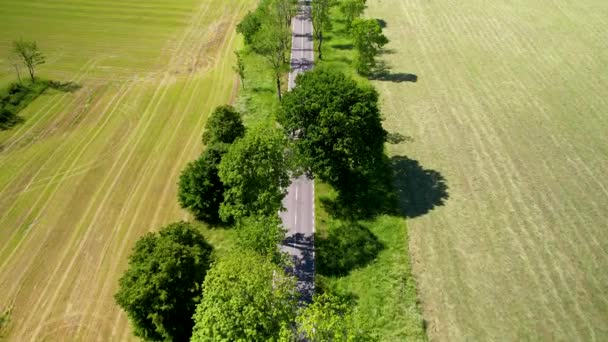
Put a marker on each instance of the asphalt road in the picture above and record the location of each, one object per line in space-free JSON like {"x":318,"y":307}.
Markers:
{"x":299,"y":217}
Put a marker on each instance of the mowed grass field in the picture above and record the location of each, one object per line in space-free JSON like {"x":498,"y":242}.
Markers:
{"x":510,"y":107}
{"x":89,"y":172}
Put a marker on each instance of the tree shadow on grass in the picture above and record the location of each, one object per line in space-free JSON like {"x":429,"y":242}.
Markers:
{"x":418,"y":190}
{"x":344,"y":247}
{"x":363,"y":196}
{"x":343,"y":46}
{"x":66,"y":87}
{"x":397,"y":186}
{"x":19,"y":95}
{"x":382,"y":72}
{"x":398,"y":138}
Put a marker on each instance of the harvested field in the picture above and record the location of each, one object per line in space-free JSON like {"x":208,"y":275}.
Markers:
{"x":89,"y":172}
{"x":507,"y":102}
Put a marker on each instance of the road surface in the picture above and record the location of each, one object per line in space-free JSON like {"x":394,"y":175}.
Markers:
{"x":299,"y":217}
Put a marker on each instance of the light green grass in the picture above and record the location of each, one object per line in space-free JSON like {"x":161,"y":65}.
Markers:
{"x":87,"y":173}
{"x":510,"y":107}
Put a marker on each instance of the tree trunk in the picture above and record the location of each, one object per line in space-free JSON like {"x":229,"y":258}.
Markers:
{"x":31,"y":69}
{"x":16,"y":66}
{"x":320,"y":44}
{"x":279,"y":88}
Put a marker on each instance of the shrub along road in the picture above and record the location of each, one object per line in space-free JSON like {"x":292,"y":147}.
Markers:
{"x":299,"y":202}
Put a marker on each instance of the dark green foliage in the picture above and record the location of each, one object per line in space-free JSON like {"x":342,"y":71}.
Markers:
{"x":344,"y":247}
{"x":162,"y":284}
{"x":30,"y":55}
{"x":200,"y":189}
{"x":224,"y":126}
{"x":254,"y":173}
{"x":261,"y":234}
{"x":338,"y":125}
{"x":16,"y":97}
{"x":369,"y":40}
{"x":249,"y":26}
{"x":246,"y":298}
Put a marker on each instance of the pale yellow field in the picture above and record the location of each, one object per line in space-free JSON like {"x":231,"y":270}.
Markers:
{"x":91,"y":171}
{"x":511,"y":107}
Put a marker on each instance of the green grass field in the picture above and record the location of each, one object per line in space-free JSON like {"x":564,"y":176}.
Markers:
{"x":510,"y":108}
{"x":89,"y":172}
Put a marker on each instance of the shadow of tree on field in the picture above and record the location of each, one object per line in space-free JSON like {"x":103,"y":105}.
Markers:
{"x":66,"y":87}
{"x":418,"y":190}
{"x":18,"y":95}
{"x":396,"y":186}
{"x":382,"y":72}
{"x":363,"y":196}
{"x":343,"y":46}
{"x":344,"y":247}
{"x":398,"y":138}
{"x":382,"y":23}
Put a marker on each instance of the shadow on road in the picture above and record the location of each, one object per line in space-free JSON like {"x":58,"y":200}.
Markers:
{"x":303,"y":263}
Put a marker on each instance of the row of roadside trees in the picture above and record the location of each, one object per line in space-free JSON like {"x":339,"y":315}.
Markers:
{"x":177,"y":288}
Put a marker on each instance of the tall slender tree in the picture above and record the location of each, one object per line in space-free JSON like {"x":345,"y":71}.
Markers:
{"x":30,"y":55}
{"x":273,"y":49}
{"x":369,"y":41}
{"x":352,"y":9}
{"x":321,"y":21}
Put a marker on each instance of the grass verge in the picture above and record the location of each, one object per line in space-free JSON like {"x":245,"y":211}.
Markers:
{"x":372,"y":264}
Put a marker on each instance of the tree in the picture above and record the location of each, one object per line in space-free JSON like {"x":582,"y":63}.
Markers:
{"x":329,"y":318}
{"x":249,"y":26}
{"x":225,"y":125}
{"x":246,"y":298}
{"x":261,"y":234}
{"x":239,"y":67}
{"x":321,"y":21}
{"x":30,"y":55}
{"x":162,"y":284}
{"x":338,"y":127}
{"x":369,"y":41}
{"x":15,"y":62}
{"x":254,"y":172}
{"x":269,"y":44}
{"x":200,"y":189}
{"x":352,"y":9}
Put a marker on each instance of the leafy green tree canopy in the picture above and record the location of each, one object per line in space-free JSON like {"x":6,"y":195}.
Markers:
{"x":337,"y":124}
{"x":30,"y":55}
{"x":225,"y":125}
{"x":254,"y":172}
{"x":352,"y":9}
{"x":162,"y":284}
{"x":330,"y":318}
{"x":369,"y":41}
{"x":249,"y":26}
{"x":261,"y":234}
{"x":246,"y":298}
{"x":200,"y":189}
